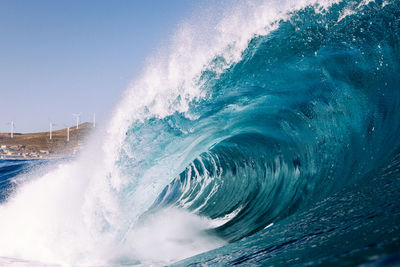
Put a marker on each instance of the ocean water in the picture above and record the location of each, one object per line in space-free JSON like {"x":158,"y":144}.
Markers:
{"x":269,"y":136}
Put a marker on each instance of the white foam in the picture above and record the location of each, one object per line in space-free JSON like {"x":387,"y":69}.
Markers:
{"x":228,"y":217}
{"x":77,"y":212}
{"x":171,"y":235}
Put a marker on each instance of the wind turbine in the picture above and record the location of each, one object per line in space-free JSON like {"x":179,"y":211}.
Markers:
{"x":67,"y":132}
{"x":77,"y":116}
{"x":12,"y":128}
{"x":51,"y":129}
{"x":94,"y":120}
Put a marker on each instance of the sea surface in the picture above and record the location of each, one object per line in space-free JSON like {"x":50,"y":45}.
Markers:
{"x":9,"y":171}
{"x":269,"y":138}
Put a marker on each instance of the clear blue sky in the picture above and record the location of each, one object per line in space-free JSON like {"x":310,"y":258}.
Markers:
{"x":63,"y":57}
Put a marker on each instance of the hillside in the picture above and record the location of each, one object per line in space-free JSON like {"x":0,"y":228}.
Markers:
{"x":39,"y":145}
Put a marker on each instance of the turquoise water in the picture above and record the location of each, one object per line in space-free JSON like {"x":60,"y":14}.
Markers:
{"x":307,"y":140}
{"x":289,"y":154}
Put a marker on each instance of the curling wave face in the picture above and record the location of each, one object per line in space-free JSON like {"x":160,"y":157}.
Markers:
{"x":296,"y":105}
{"x":310,"y":108}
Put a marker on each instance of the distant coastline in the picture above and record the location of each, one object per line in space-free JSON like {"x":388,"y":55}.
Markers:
{"x":40,"y":146}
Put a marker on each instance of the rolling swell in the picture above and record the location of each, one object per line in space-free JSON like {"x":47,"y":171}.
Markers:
{"x":309,"y":109}
{"x":8,"y":170}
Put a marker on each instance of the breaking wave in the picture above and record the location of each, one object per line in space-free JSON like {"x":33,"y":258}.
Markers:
{"x":283,"y":105}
